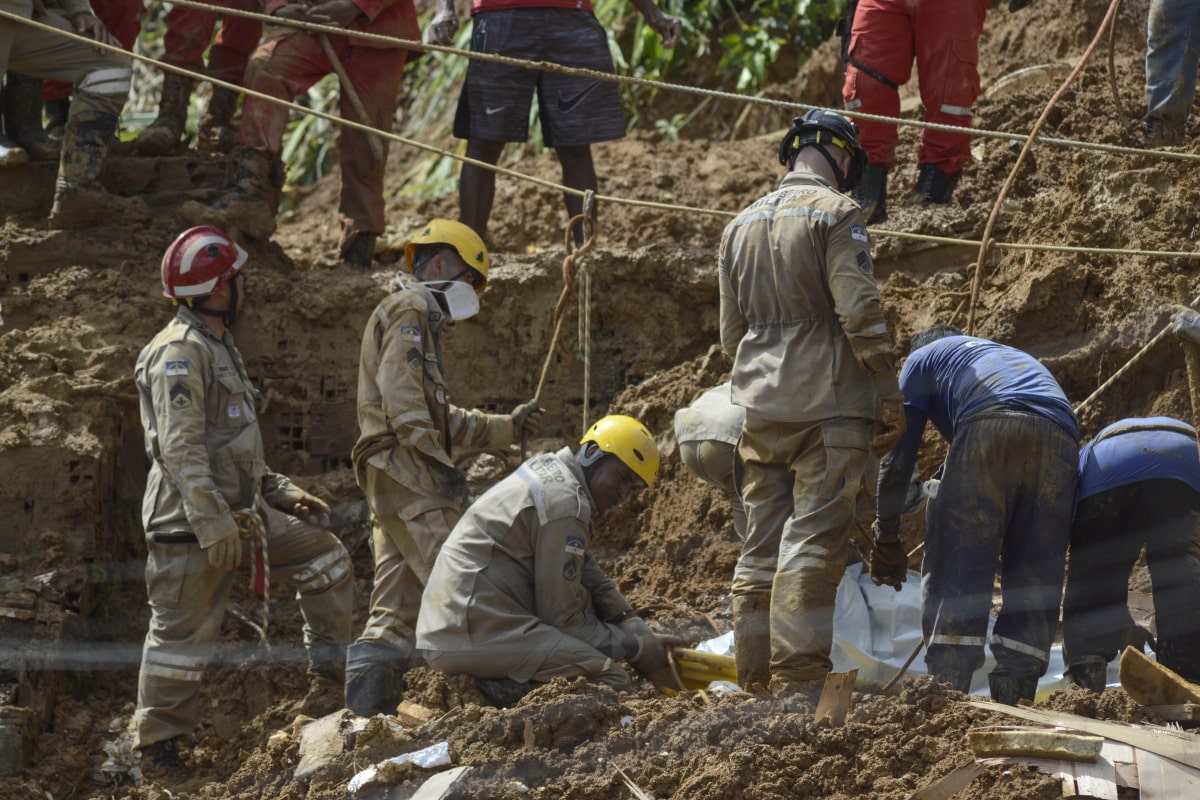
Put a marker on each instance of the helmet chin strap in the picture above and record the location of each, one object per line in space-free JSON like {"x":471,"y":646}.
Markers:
{"x":227,"y":315}
{"x":837,"y":172}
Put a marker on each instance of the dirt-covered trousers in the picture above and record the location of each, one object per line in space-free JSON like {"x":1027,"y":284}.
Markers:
{"x":187,"y":602}
{"x":121,"y":19}
{"x":713,"y":463}
{"x":405,"y":539}
{"x":285,"y":66}
{"x":1172,"y":57}
{"x":1107,"y":536}
{"x":800,"y":483}
{"x":1007,"y":493}
{"x":943,"y":35}
{"x":101,"y":79}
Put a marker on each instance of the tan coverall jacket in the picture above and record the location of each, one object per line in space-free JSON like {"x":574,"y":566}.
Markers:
{"x":206,"y":461}
{"x":515,"y":593}
{"x":800,"y":314}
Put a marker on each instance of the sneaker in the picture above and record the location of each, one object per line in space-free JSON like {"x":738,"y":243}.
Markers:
{"x":934,"y":186}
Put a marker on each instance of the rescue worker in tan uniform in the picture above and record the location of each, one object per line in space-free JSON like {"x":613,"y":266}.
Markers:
{"x":515,"y":598}
{"x":707,"y":432}
{"x":409,"y":435}
{"x":211,"y":499}
{"x":815,"y":371}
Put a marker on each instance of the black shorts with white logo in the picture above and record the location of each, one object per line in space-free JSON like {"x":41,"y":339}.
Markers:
{"x":495,"y":101}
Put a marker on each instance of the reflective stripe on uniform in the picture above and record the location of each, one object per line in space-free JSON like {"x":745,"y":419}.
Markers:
{"x":179,"y":668}
{"x":113,"y":81}
{"x":329,"y":564}
{"x":1020,"y":647}
{"x":957,"y":111}
{"x":882,"y":347}
{"x":772,"y":213}
{"x":960,"y":641}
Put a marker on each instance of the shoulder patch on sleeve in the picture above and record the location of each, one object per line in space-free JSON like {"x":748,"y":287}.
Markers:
{"x":571,"y":569}
{"x":576,"y":545}
{"x":181,"y":396}
{"x":864,"y":261}
{"x":858,"y":233}
{"x":414,"y":357}
{"x":411,"y":333}
{"x":177,"y":367}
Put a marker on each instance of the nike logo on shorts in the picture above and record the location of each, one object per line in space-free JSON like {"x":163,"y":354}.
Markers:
{"x":489,"y":110}
{"x":566,"y":104}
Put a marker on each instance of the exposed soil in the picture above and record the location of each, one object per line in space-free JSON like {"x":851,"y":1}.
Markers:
{"x":77,"y":308}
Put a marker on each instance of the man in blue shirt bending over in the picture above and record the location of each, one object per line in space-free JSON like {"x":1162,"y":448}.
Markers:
{"x":1006,"y":494}
{"x":1139,"y":484}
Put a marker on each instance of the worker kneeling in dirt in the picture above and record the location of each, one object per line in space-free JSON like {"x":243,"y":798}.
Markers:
{"x":210,"y":498}
{"x":1006,"y":492}
{"x":404,"y":457}
{"x":1139,"y":485}
{"x":515,"y":598}
{"x":707,"y":432}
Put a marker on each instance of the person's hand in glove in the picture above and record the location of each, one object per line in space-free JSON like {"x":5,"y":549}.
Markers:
{"x":526,"y":419}
{"x":226,"y":553}
{"x":646,"y":652}
{"x":889,"y":560}
{"x":313,"y":510}
{"x":1185,"y":323}
{"x":449,"y":481}
{"x":889,"y":424}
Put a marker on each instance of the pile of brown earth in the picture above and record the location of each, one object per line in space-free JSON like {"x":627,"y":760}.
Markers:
{"x":78,"y":307}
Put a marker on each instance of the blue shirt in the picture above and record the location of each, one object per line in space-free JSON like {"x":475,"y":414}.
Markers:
{"x":952,"y":379}
{"x":1139,"y":449}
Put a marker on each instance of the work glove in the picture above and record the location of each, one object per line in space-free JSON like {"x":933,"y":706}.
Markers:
{"x":444,"y":25}
{"x":526,"y":418}
{"x":889,"y":560}
{"x":889,"y":424}
{"x":449,"y":481}
{"x":226,"y":553}
{"x":1185,"y":323}
{"x":646,"y":652}
{"x":313,"y":510}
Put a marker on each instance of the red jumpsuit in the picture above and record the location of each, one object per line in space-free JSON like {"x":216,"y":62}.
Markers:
{"x":290,"y":61}
{"x":122,"y":18}
{"x":943,"y":35}
{"x":190,"y":31}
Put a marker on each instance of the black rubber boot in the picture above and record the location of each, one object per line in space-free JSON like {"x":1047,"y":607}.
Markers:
{"x":57,"y":112}
{"x":1089,"y":672}
{"x":947,"y":670}
{"x":374,"y":678}
{"x":871,"y":194}
{"x":217,"y":132}
{"x":1011,"y":690}
{"x":250,"y":206}
{"x":79,"y":199}
{"x":752,"y":639}
{"x":361,"y":252}
{"x":23,"y":117}
{"x":934,"y":186}
{"x":161,"y":137}
{"x":502,"y":692}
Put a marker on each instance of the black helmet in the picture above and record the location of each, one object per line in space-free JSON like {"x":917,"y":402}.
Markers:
{"x":826,"y":127}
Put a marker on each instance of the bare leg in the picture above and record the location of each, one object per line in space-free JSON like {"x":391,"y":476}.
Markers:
{"x":477,"y":185}
{"x":578,"y":172}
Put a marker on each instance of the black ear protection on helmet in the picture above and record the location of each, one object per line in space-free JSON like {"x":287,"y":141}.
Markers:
{"x":826,"y":128}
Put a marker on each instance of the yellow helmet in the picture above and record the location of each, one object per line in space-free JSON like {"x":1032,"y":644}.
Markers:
{"x":470,"y":247}
{"x":628,"y":440}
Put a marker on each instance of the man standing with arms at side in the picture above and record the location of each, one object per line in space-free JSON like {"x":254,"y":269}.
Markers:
{"x":404,"y":457}
{"x":576,"y":112}
{"x":210,"y":498}
{"x":814,"y":370}
{"x":1006,"y":492}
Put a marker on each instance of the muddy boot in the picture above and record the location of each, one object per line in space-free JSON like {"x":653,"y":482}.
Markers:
{"x":327,"y":676}
{"x":374,"y":678}
{"x":162,"y":136}
{"x":79,"y":199}
{"x":1089,"y":672}
{"x":752,"y":639}
{"x":23,"y":117}
{"x":57,"y":112}
{"x":934,"y":186}
{"x":360,"y":252}
{"x":502,"y":692}
{"x":798,"y":697}
{"x":871,"y":194}
{"x":161,"y":762}
{"x":1011,"y":690}
{"x":1162,"y":133}
{"x":248,"y":206}
{"x":949,"y":673}
{"x":217,"y":132}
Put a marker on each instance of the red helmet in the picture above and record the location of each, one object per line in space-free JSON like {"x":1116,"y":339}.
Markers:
{"x":200,"y":262}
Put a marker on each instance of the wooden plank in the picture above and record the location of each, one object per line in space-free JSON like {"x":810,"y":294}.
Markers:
{"x":1152,"y":684}
{"x":835,"y":698}
{"x":1173,"y":744}
{"x":1162,"y":779}
{"x":1035,"y":743}
{"x":949,"y":785}
{"x":1184,"y":712}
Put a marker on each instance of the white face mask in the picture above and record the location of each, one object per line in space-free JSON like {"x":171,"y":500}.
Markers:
{"x":460,"y":298}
